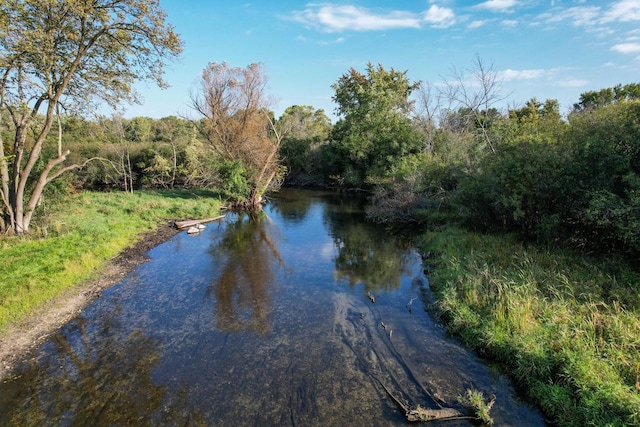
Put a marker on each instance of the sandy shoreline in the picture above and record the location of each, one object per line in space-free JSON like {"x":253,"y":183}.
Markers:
{"x":20,"y":340}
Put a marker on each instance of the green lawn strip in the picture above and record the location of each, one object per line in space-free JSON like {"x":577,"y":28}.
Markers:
{"x":84,"y":232}
{"x":566,"y":327}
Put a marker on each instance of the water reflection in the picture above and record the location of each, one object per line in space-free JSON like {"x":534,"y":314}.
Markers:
{"x":248,"y":256}
{"x":92,"y":374}
{"x":366,"y":254}
{"x":292,"y":205}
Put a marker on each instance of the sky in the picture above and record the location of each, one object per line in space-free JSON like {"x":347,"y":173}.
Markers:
{"x":547,"y":49}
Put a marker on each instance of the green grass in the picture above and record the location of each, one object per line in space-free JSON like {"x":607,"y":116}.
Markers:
{"x":566,"y":327}
{"x":83,"y":232}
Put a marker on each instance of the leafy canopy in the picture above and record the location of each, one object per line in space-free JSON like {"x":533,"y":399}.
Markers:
{"x":69,"y":53}
{"x":375,"y":129}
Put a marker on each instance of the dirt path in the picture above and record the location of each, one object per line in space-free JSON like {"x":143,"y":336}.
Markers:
{"x":23,"y":338}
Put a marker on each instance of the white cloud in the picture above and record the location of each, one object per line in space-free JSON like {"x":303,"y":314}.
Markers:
{"x":476,"y":24}
{"x":621,"y":11}
{"x":330,"y":42}
{"x":498,"y":5}
{"x":509,"y":75}
{"x":336,"y":18}
{"x":626,"y":47}
{"x":579,"y":15}
{"x":552,"y":76}
{"x":510,"y":23}
{"x":439,"y":17}
{"x":572,"y":83}
{"x":625,"y":11}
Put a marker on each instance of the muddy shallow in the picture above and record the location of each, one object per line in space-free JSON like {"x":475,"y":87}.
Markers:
{"x":263,"y":321}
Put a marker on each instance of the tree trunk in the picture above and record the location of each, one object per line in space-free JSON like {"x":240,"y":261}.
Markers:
{"x":20,"y":210}
{"x":130,"y":172}
{"x":7,"y":217}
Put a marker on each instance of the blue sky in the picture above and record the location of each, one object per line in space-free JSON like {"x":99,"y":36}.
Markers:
{"x":548,"y":49}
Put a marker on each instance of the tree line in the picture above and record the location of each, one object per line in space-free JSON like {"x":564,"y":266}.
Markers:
{"x":425,"y":151}
{"x":528,"y":169}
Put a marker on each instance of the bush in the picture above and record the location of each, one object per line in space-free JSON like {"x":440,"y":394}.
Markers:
{"x":520,"y":188}
{"x":235,"y":183}
{"x":604,"y":177}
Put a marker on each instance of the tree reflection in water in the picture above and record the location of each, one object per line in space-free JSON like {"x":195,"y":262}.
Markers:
{"x":365,"y":254}
{"x":248,"y":256}
{"x":94,"y":378}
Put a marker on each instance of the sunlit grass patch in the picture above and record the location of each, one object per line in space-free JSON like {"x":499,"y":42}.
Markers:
{"x":83,"y":232}
{"x":566,"y":326}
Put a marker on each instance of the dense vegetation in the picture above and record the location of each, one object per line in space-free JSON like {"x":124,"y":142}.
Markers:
{"x":564,"y":326}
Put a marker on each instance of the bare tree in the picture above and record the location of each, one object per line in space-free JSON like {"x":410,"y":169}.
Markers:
{"x":426,"y":113}
{"x":237,"y":122}
{"x":475,"y":96}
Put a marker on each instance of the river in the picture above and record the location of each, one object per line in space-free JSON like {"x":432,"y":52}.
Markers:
{"x":305,"y":315}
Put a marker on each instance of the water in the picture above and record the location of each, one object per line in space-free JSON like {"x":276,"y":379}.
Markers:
{"x":263,"y":321}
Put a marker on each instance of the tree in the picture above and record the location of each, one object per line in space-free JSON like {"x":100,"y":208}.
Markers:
{"x":476,"y":97}
{"x":301,"y":147}
{"x":237,"y":122}
{"x":375,"y":129}
{"x":72,"y":54}
{"x":604,"y":177}
{"x":305,"y":123}
{"x":598,"y":99}
{"x":533,"y":122}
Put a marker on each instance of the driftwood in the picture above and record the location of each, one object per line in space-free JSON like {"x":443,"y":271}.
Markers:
{"x":421,"y":415}
{"x":191,"y":222}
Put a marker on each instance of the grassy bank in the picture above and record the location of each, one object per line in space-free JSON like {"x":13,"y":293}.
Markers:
{"x":82,"y":233}
{"x":567,"y":328}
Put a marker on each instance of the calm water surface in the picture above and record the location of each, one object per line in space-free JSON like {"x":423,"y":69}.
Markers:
{"x":263,"y":321}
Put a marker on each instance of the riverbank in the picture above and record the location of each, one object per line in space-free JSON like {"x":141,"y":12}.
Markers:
{"x":93,"y":240}
{"x":564,"y":326}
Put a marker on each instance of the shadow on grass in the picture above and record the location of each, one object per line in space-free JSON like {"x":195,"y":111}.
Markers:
{"x":179,"y":193}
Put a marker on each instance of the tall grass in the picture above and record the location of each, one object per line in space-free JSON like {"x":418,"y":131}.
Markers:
{"x":83,"y":232}
{"x":566,"y":327}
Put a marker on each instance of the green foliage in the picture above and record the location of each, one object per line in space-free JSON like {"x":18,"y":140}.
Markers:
{"x":171,"y":155}
{"x":474,"y":399}
{"x":306,"y":131}
{"x":549,"y":179}
{"x":605,"y":175}
{"x":417,"y":190}
{"x":521,"y":188}
{"x":138,"y":129}
{"x":550,"y":317}
{"x":236,"y":122}
{"x":76,"y":53}
{"x":603,"y":97}
{"x":235,"y":183}
{"x":375,"y":130}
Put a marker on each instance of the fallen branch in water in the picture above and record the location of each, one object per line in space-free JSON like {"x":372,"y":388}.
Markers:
{"x":419,"y":414}
{"x":423,"y":415}
{"x":190,"y":223}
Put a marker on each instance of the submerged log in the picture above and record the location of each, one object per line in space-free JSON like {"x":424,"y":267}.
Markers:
{"x":423,"y":415}
{"x":192,"y":222}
